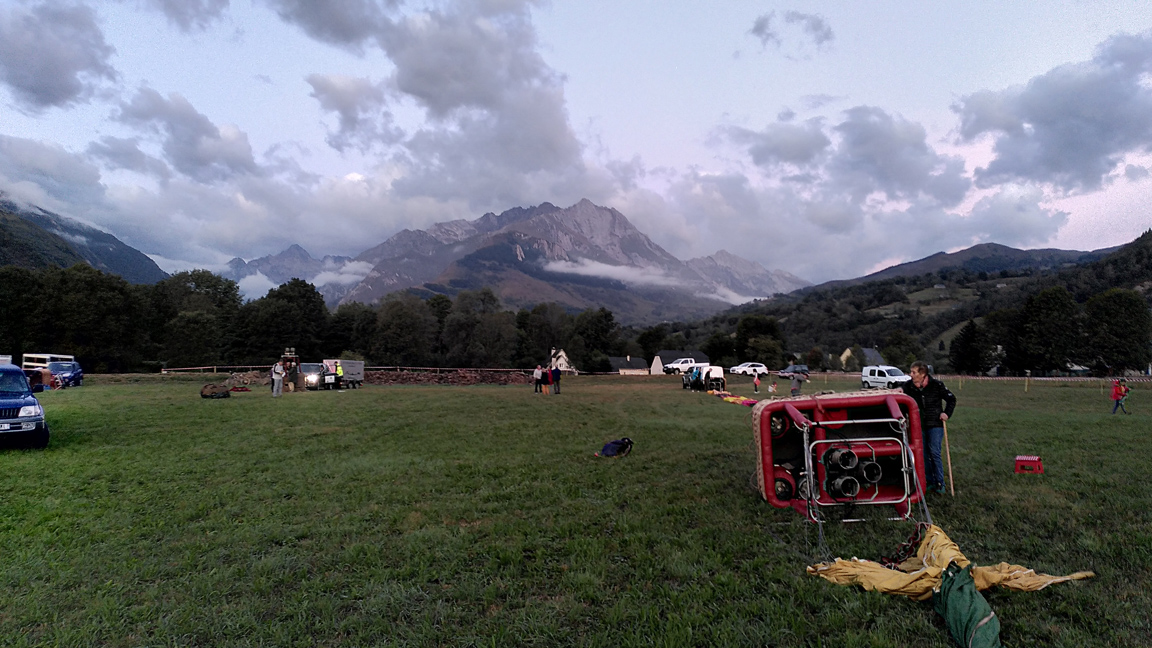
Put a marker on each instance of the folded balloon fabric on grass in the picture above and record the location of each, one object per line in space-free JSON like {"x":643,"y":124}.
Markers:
{"x":939,"y":571}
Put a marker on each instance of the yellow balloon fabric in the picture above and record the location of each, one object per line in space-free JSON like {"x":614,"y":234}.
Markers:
{"x":918,"y":576}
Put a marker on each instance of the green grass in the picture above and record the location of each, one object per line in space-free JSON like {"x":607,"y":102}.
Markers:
{"x":440,"y":516}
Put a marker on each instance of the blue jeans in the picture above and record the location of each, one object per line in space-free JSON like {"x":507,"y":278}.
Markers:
{"x":933,"y":467}
{"x":1119,"y":404}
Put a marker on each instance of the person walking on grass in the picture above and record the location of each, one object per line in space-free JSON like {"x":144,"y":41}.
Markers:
{"x":555,"y":380}
{"x":538,"y":377}
{"x":936,"y":404}
{"x":1119,"y":395}
{"x":277,"y":379}
{"x":756,"y":384}
{"x":798,"y":379}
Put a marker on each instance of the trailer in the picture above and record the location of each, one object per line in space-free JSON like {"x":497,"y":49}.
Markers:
{"x":41,"y":360}
{"x":341,"y":374}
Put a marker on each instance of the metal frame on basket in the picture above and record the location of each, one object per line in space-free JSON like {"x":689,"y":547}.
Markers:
{"x":810,"y":480}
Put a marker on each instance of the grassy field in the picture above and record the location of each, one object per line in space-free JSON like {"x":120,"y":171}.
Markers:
{"x":440,"y":516}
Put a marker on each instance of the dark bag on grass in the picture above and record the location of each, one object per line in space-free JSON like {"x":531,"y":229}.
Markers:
{"x":617,"y":448}
{"x":215,"y":391}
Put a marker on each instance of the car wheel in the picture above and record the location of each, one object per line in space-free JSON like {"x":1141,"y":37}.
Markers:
{"x":863,"y":384}
{"x":891,"y":385}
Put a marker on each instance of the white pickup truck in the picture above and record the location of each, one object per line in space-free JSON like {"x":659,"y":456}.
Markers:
{"x":680,"y":365}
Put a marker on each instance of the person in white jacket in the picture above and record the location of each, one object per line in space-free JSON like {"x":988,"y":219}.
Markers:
{"x":277,"y":379}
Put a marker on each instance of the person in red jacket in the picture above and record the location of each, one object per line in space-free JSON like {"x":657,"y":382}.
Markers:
{"x":1119,"y":394}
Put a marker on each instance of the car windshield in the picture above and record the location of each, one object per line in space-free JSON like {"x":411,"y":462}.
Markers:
{"x":11,"y":383}
{"x":895,"y":372}
{"x":311,"y":367}
{"x":59,"y":366}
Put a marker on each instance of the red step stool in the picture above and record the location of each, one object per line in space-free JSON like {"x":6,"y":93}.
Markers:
{"x":1029,"y":464}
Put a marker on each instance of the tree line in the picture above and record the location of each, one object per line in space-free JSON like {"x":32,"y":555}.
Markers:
{"x":198,"y":318}
{"x":1051,"y":333}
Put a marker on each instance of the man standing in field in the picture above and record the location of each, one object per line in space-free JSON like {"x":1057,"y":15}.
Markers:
{"x":936,"y":404}
{"x":277,"y":378}
{"x":538,"y":377}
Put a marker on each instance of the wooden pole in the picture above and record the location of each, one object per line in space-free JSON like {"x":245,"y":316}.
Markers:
{"x":948,"y":458}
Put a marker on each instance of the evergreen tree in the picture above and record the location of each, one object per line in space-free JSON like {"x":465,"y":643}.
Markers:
{"x":754,"y":326}
{"x":291,"y":315}
{"x":901,"y":349}
{"x":1118,"y":328}
{"x":970,"y":352}
{"x":405,"y":331}
{"x":1050,"y":334}
{"x":720,"y":349}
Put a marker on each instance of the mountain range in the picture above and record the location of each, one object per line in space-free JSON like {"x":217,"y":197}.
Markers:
{"x":32,"y":237}
{"x":583,"y":256}
{"x":983,"y":257}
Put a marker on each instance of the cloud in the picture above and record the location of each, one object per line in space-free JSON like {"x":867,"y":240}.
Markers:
{"x":255,"y":286}
{"x":762,"y":29}
{"x":782,"y":142}
{"x":192,"y":143}
{"x":190,"y":15}
{"x":125,"y":153}
{"x":1071,"y":126}
{"x":880,"y":152}
{"x":360,"y":105}
{"x":350,"y":273}
{"x":52,"y":55}
{"x":812,"y":28}
{"x":813,"y":25}
{"x":1014,"y":216}
{"x":344,"y":23}
{"x":47,"y":175}
{"x":625,"y":274}
{"x":497,"y":131}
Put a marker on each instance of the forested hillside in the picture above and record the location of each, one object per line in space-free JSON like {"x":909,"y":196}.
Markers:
{"x":1020,"y":320}
{"x":26,"y":245}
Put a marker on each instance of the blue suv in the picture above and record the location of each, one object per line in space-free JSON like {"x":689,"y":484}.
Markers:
{"x":21,"y":417}
{"x":69,"y":373}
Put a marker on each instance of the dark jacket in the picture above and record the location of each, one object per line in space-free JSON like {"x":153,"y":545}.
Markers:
{"x":935,"y":399}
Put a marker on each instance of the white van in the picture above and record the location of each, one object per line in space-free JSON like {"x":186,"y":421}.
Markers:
{"x":882,"y":377}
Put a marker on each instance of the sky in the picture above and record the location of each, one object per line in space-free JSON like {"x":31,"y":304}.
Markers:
{"x":828,"y":139}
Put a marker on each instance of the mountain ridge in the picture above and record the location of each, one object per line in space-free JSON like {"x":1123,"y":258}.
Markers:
{"x":571,"y":248}
{"x":43,"y":238}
